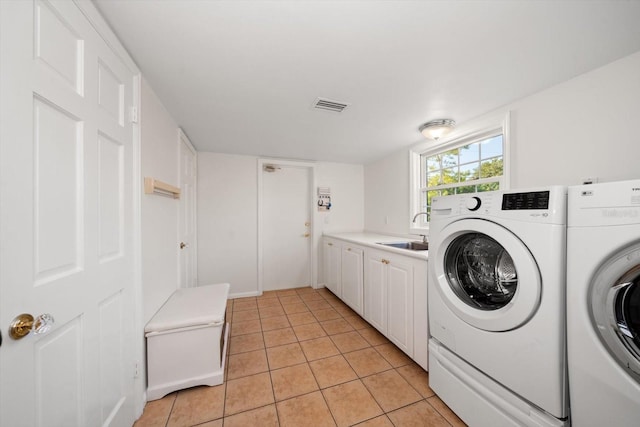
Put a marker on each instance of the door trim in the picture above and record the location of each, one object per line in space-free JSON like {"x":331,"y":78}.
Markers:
{"x":315,"y":230}
{"x":183,"y":139}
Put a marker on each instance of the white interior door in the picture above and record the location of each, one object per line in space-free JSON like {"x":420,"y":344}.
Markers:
{"x":286,"y":227}
{"x":66,"y":219}
{"x":187,"y":227}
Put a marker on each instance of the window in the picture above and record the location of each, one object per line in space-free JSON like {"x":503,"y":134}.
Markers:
{"x":471,"y":162}
{"x":471,"y":168}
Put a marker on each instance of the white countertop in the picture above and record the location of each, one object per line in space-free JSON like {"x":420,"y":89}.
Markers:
{"x":372,"y":239}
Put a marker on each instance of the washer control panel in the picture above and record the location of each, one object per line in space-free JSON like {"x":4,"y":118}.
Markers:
{"x":542,"y":204}
{"x":523,"y":201}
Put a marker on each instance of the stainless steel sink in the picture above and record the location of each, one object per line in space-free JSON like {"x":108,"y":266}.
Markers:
{"x":412,"y":246}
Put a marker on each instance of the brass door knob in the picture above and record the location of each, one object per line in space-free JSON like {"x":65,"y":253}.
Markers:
{"x":183,"y":245}
{"x":24,"y":323}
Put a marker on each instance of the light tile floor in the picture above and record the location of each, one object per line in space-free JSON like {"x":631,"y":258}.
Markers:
{"x":301,"y":357}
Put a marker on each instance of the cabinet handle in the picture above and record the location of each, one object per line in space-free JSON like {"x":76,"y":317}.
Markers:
{"x":384,"y":261}
{"x":348,"y":249}
{"x":330,"y":244}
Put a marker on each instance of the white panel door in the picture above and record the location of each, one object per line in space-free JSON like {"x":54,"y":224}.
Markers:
{"x":187,"y":228}
{"x":66,"y":219}
{"x":286,"y":228}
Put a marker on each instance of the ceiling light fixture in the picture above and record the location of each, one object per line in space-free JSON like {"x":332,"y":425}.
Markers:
{"x":435,"y":129}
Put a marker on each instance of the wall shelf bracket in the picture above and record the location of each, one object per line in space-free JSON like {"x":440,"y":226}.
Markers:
{"x":154,"y":186}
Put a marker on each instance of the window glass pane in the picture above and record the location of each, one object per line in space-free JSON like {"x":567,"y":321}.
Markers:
{"x":466,"y":189}
{"x":491,"y":186}
{"x":469,"y":172}
{"x":447,"y":191}
{"x":491,"y":147}
{"x":450,"y":158}
{"x":434,"y":178}
{"x":450,"y":175}
{"x":470,"y":153}
{"x":490,"y":168}
{"x":433,"y":163}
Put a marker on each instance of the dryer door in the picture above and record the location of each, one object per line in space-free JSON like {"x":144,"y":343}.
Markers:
{"x":486,"y":275}
{"x":615,"y":307}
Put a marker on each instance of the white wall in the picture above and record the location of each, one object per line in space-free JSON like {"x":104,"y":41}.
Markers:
{"x":387,"y":194}
{"x":159,"y":136}
{"x":228,"y":215}
{"x":347,"y":196}
{"x":585,"y":127}
{"x":228,"y":221}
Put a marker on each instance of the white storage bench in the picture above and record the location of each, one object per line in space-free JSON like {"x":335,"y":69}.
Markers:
{"x":187,"y":340}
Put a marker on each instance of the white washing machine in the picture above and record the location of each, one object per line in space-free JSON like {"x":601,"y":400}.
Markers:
{"x":603,"y":304}
{"x":497,"y":352}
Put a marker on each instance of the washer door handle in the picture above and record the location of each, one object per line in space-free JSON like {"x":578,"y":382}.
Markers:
{"x":613,"y":302}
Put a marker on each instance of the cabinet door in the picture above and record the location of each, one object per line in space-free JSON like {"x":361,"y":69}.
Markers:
{"x":400,"y":304}
{"x":332,"y":265}
{"x":352,"y":278}
{"x":375,"y":295}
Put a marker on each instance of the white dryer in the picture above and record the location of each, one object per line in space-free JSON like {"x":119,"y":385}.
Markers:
{"x":603,"y":304}
{"x":497,"y":352}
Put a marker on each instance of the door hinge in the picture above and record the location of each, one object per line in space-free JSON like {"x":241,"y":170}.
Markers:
{"x":133,"y":114}
{"x":136,"y":370}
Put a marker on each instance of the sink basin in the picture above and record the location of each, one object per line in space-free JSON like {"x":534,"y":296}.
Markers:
{"x":412,"y":246}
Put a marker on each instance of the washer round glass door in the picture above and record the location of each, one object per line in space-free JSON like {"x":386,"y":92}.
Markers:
{"x":615,"y":307}
{"x":480,"y":271}
{"x":486,"y":275}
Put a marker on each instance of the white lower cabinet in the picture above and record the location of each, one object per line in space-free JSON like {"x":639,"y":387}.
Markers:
{"x":352,"y":277}
{"x":387,"y":289}
{"x":389,"y":296}
{"x":332,"y":253}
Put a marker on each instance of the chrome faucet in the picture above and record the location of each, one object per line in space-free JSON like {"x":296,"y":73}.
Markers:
{"x":418,"y":214}
{"x":424,"y":238}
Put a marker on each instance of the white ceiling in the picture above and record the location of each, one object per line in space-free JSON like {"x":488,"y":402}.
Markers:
{"x":241,"y":76}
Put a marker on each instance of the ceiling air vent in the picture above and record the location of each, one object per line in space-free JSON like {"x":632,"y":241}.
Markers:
{"x":327,"y":104}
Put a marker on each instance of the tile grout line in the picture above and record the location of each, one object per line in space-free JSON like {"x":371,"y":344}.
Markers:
{"x":273,"y":391}
{"x":166,"y":424}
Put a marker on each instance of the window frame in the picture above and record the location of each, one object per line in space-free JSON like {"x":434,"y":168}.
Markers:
{"x":491,"y":125}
